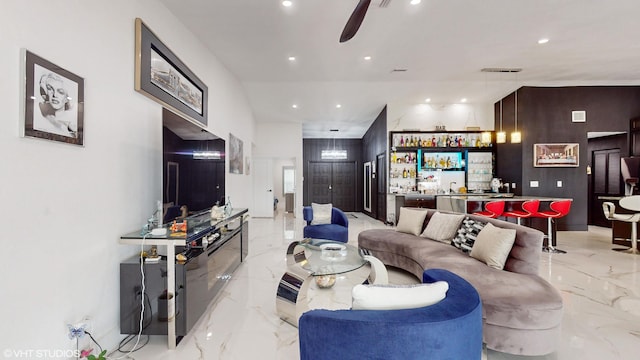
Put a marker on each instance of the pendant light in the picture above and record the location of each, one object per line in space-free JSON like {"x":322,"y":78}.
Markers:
{"x":501,"y":136}
{"x":516,"y":136}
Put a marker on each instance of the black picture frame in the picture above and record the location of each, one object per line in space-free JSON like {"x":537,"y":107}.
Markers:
{"x":167,"y":79}
{"x":53,"y":101}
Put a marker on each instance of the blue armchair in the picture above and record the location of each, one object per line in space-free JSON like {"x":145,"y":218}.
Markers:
{"x":450,"y":329}
{"x":338,"y":230}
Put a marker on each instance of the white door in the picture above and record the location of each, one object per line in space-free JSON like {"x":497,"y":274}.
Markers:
{"x":263,"y":187}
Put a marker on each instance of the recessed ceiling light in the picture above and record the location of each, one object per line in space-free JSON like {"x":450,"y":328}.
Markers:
{"x":292,"y":58}
{"x":415,"y":2}
{"x":294,"y":106}
{"x":464,"y":100}
{"x":367,"y":57}
{"x":338,"y":106}
{"x":287,"y":3}
{"x":427,"y":100}
{"x":543,"y":41}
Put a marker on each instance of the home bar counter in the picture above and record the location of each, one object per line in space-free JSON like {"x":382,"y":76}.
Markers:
{"x":468,"y":204}
{"x":471,"y":203}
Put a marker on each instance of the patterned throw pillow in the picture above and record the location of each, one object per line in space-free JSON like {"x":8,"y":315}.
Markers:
{"x":467,"y":234}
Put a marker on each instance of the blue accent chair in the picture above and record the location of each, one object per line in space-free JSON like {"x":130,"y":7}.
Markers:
{"x":338,"y":230}
{"x":450,"y":329}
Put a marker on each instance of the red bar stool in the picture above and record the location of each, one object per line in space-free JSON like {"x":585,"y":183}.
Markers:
{"x":492,"y":209}
{"x":557,"y":210}
{"x":529,"y":209}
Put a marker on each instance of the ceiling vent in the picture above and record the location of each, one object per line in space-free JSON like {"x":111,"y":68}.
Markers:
{"x":334,"y":130}
{"x":398,"y":70}
{"x":501,"y":70}
{"x":384,"y":3}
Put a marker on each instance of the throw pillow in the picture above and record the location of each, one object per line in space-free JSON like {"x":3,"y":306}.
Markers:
{"x":442,"y":227}
{"x":394,"y":297}
{"x":411,"y":220}
{"x":467,"y":234}
{"x":321,"y":213}
{"x":493,"y":245}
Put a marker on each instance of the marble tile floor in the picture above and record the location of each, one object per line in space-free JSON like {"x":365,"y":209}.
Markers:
{"x":600,"y":288}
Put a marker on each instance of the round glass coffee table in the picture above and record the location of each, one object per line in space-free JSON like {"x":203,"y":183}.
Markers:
{"x":309,"y":260}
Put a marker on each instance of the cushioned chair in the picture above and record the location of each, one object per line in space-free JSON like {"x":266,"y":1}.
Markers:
{"x":338,"y":230}
{"x":450,"y":329}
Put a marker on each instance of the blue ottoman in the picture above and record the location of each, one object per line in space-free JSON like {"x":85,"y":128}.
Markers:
{"x":450,"y":329}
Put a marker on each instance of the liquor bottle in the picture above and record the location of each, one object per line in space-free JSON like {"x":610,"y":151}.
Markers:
{"x":394,"y":158}
{"x":401,"y":141}
{"x":404,"y":173}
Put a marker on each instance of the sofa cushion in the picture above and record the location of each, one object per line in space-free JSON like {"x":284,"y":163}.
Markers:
{"x":493,"y":245}
{"x":321,"y":214}
{"x":395,"y":297}
{"x":442,"y":227}
{"x":411,"y":220}
{"x":467,"y":234}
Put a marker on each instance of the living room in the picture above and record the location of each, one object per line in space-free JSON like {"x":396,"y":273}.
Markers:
{"x":77,"y":201}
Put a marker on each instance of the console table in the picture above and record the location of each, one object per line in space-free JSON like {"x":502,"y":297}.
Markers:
{"x":213,"y":248}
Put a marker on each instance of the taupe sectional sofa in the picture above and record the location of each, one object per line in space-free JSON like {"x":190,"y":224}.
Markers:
{"x":522,"y":312}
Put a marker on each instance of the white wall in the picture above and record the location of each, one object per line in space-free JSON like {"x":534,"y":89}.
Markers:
{"x":65,"y":207}
{"x":425,"y":117}
{"x":282,"y":141}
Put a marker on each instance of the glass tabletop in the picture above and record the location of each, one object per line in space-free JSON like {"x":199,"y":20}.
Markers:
{"x":327,"y":257}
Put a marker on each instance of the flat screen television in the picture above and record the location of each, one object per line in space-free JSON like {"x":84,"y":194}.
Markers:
{"x":193,"y":167}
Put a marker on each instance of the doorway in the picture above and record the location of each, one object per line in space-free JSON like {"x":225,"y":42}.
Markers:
{"x":263,"y":187}
{"x":605,"y":180}
{"x":289,"y":188}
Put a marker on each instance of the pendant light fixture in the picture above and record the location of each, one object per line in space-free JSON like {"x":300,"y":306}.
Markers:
{"x":501,"y":136}
{"x":516,"y":136}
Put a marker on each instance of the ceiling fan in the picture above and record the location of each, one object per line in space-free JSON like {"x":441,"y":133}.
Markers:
{"x":355,"y":20}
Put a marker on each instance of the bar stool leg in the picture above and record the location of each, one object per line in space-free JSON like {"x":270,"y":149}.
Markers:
{"x":551,"y":241}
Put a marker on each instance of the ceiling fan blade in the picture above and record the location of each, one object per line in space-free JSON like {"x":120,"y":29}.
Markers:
{"x":355,"y":20}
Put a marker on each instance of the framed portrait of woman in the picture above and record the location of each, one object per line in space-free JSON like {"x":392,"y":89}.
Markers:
{"x":53,"y":102}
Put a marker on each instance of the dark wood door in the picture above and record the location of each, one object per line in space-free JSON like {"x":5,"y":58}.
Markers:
{"x":380,"y":201}
{"x":605,"y":182}
{"x":333,"y":183}
{"x":320,"y":182}
{"x":343,"y":186}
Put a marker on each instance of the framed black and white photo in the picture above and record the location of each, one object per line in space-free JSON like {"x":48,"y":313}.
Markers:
{"x":163,"y":77}
{"x":235,"y":155}
{"x":53,"y":101}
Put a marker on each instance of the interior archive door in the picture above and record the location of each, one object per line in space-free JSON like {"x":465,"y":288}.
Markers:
{"x":263,"y":188}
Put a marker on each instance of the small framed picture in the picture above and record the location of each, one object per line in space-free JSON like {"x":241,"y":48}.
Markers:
{"x":53,"y":102}
{"x":555,"y":155}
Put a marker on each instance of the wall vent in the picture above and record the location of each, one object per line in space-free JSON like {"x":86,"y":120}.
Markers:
{"x":501,"y":70}
{"x":399,"y":70}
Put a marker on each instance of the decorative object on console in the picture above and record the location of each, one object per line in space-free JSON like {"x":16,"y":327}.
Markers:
{"x":163,"y":77}
{"x":217,"y":212}
{"x":53,"y":102}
